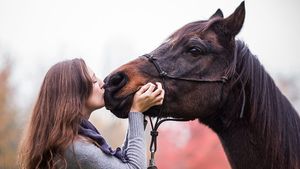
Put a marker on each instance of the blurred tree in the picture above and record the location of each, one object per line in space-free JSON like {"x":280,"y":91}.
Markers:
{"x":190,"y":146}
{"x":9,"y":131}
{"x":112,"y":128}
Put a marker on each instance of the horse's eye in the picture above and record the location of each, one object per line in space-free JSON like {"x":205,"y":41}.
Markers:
{"x":195,"y":51}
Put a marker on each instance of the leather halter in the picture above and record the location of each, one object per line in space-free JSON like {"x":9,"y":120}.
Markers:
{"x":163,"y":75}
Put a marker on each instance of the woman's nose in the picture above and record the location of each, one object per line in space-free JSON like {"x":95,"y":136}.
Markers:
{"x":101,"y":84}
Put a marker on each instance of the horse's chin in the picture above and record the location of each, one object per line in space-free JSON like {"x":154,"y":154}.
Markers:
{"x":123,"y":109}
{"x":154,"y":112}
{"x":119,"y":107}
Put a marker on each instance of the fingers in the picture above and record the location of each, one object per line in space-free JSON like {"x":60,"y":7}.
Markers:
{"x":160,"y":98}
{"x":158,"y":90}
{"x":153,"y":97}
{"x":159,"y":94}
{"x":143,"y":89}
{"x":149,"y":91}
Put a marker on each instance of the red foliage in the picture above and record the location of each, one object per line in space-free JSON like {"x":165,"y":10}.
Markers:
{"x":189,"y":146}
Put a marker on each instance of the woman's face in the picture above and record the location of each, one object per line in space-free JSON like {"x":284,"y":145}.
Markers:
{"x":95,"y":100}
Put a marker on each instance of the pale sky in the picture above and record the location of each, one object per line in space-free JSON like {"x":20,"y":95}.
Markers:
{"x":39,"y":33}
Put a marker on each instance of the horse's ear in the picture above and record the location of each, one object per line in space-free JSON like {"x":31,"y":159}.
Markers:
{"x":218,"y":13}
{"x":235,"y":21}
{"x":232,"y":25}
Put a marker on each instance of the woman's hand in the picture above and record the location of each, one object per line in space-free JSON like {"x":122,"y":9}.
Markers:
{"x":147,"y":97}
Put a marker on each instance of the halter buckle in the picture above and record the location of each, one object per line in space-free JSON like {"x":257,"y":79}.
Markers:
{"x":163,"y":74}
{"x":224,"y":79}
{"x":154,"y":133}
{"x":150,"y":57}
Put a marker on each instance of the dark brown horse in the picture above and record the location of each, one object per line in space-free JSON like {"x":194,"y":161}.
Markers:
{"x":214,"y":78}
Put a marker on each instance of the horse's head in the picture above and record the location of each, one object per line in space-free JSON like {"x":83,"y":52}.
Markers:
{"x":199,"y":50}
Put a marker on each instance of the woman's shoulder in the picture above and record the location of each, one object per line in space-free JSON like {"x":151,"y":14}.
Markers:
{"x":83,"y":152}
{"x":82,"y":148}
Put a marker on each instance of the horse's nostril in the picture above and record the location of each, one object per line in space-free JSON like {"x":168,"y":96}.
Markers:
{"x":117,"y":79}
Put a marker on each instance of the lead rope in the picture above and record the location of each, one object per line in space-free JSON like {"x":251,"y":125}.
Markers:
{"x":154,"y":134}
{"x":153,"y":146}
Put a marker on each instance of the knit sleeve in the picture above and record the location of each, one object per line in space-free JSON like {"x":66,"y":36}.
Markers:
{"x":125,"y":143}
{"x":136,"y":146}
{"x":89,"y":156}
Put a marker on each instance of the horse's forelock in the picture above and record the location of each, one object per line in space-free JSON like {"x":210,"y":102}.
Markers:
{"x":191,"y":30}
{"x":188,"y":30}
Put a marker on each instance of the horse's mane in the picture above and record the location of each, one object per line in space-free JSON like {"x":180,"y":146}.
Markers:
{"x":268,"y":110}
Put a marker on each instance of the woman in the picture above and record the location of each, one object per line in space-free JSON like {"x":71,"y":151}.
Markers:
{"x":59,"y":134}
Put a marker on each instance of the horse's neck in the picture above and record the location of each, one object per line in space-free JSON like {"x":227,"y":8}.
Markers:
{"x":268,"y":136}
{"x":249,"y":146}
{"x":242,"y":148}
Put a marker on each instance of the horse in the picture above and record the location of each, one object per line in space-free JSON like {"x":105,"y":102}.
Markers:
{"x":212,"y":77}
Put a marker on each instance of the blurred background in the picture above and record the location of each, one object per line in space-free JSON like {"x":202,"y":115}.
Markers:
{"x":35,"y":34}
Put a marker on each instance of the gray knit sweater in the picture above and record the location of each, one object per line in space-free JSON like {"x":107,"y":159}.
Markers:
{"x":89,"y":156}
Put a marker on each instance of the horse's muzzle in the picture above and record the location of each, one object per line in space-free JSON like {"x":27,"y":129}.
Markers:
{"x":113,"y":84}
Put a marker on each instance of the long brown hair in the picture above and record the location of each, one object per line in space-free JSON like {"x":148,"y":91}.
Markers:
{"x":56,"y":115}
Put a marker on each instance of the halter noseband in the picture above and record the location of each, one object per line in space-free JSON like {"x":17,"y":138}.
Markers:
{"x":163,"y":75}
